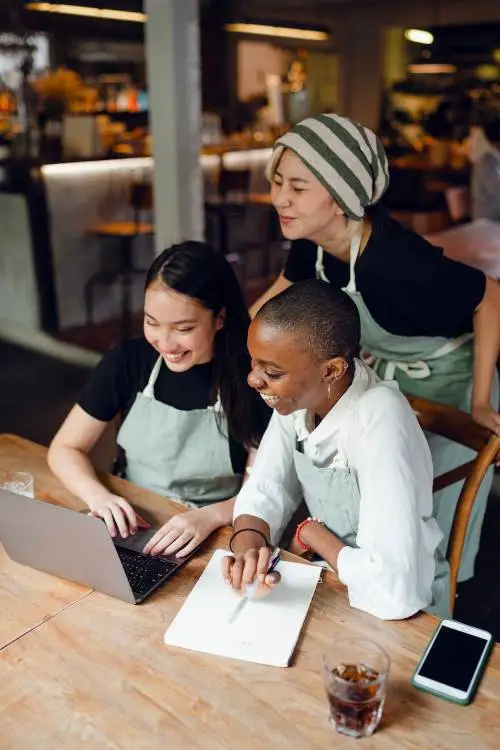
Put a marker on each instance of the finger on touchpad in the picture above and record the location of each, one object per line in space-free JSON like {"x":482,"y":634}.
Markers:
{"x":136,"y":541}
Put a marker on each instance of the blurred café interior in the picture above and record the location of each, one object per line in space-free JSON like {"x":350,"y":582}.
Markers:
{"x":98,"y":118}
{"x":82,"y":91}
{"x":127,"y":125}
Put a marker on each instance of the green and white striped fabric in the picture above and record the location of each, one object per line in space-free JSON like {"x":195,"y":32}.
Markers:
{"x":347,"y":158}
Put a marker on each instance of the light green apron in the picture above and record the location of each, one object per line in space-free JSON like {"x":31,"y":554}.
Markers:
{"x":440,"y":370}
{"x":332,"y":494}
{"x":179,"y":454}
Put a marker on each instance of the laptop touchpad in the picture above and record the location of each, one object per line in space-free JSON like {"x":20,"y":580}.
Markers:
{"x":137,"y":541}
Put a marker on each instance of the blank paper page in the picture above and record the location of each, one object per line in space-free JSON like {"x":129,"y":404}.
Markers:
{"x":265,"y":631}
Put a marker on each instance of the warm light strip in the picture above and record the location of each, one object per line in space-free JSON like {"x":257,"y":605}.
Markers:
{"x":82,"y":10}
{"x":432,"y":68}
{"x":240,"y":158}
{"x":277,"y":31}
{"x":419,"y":36}
{"x":96,"y":167}
{"x":208,"y":161}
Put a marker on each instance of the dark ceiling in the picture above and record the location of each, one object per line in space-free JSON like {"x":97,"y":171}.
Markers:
{"x":457,"y":43}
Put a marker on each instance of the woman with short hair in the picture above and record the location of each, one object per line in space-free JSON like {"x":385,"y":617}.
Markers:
{"x":427,"y":321}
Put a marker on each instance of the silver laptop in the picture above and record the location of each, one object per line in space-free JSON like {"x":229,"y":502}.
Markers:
{"x":78,"y":547}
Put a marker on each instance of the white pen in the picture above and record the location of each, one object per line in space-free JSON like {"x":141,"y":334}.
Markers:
{"x":273,"y":562}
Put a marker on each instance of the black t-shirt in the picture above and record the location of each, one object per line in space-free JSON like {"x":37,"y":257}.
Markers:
{"x":408,"y":285}
{"x":124,"y":371}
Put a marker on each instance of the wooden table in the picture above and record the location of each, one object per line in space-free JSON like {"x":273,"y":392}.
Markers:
{"x":27,"y":597}
{"x":97,"y":675}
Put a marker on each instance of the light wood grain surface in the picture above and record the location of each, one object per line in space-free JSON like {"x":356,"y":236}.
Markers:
{"x":28,"y":597}
{"x":98,"y":675}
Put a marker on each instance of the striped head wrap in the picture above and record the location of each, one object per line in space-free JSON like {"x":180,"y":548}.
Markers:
{"x":347,"y":158}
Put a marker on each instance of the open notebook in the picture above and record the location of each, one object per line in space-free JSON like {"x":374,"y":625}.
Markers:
{"x":264,"y":632}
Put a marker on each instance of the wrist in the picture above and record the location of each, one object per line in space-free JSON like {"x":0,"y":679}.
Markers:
{"x":99,"y":495}
{"x":303,"y":532}
{"x":480,"y":404}
{"x":246,"y":539}
{"x":221,"y":513}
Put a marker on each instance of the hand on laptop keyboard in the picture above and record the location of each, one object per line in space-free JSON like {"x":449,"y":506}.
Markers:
{"x":118,"y":514}
{"x":184,"y":532}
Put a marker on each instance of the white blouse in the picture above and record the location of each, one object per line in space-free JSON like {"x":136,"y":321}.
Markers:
{"x":390,"y":572}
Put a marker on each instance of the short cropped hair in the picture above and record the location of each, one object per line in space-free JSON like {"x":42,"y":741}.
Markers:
{"x":323,"y":318}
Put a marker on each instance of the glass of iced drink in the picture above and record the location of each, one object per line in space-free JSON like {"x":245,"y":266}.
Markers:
{"x":355,"y":672}
{"x":17,"y":481}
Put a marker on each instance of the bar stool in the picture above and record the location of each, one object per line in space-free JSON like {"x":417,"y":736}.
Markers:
{"x":124,"y":233}
{"x":233,"y":188}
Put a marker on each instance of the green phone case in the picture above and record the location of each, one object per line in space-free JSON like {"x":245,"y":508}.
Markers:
{"x":475,"y":685}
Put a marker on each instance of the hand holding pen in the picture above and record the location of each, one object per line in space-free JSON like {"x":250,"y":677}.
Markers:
{"x":254,"y":566}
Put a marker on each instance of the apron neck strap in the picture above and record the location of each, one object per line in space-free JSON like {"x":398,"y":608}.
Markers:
{"x":320,"y":265}
{"x":353,"y":256}
{"x":149,"y":389}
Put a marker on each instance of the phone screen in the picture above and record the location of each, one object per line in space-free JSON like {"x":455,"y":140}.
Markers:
{"x":453,"y":658}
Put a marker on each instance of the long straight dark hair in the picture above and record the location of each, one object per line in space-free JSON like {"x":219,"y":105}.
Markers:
{"x":199,"y":272}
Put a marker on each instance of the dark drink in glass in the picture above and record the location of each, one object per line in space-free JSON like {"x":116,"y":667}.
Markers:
{"x":355,"y":673}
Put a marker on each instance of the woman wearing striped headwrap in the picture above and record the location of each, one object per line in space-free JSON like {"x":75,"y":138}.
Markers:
{"x":429,"y":322}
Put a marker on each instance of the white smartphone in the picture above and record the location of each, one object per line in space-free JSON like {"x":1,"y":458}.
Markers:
{"x":453,"y":662}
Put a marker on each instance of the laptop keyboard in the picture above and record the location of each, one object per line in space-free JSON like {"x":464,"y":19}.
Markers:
{"x":143,"y":571}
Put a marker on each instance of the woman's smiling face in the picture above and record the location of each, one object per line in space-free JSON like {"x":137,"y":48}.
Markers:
{"x":283,"y":372}
{"x":305,"y":207}
{"x":179,"y":327}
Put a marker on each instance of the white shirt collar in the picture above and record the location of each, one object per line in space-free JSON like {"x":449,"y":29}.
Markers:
{"x":303,"y":419}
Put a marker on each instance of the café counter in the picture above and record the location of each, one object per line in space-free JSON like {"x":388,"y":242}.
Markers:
{"x":47,"y":250}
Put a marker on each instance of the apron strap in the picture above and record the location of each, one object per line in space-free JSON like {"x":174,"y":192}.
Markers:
{"x":320,"y":266}
{"x":451,"y":345}
{"x":353,"y":256}
{"x":148,"y":391}
{"x":419,"y":370}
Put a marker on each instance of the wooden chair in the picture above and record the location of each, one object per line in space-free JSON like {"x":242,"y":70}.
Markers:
{"x":458,"y":426}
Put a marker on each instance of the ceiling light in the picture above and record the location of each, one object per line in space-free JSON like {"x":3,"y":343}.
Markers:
{"x":82,"y":10}
{"x":419,"y":36}
{"x":431,"y":68}
{"x":277,"y":31}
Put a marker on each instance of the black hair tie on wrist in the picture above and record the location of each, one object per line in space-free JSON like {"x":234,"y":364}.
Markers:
{"x":240,"y":531}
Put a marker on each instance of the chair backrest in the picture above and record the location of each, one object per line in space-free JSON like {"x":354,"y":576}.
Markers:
{"x":234,"y":182}
{"x":458,"y":426}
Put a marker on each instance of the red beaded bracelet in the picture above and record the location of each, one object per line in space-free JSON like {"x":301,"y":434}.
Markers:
{"x":305,"y":547}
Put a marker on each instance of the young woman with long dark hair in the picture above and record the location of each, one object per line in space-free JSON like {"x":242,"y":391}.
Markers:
{"x":190,"y":418}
